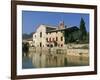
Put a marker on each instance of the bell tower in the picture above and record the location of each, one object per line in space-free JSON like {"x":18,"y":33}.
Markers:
{"x":61,"y":25}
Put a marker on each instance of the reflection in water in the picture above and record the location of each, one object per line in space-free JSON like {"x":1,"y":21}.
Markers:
{"x":53,"y":59}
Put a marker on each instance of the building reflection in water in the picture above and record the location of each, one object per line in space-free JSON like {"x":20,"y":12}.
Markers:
{"x":52,"y":59}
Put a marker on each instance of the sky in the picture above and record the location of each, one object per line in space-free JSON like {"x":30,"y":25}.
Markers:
{"x":32,"y":19}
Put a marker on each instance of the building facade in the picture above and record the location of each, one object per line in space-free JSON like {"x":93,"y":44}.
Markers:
{"x":52,"y":36}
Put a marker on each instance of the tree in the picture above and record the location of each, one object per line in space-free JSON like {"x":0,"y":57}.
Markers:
{"x":83,"y":32}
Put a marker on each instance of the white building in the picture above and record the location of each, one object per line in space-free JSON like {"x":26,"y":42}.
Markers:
{"x":49,"y":36}
{"x":29,"y":41}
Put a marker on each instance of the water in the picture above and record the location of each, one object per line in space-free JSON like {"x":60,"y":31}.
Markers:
{"x":43,"y":59}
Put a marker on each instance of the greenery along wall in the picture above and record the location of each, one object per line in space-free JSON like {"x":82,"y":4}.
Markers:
{"x":76,"y":35}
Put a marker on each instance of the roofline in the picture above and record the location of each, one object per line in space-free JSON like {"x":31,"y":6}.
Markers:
{"x":46,"y":26}
{"x":61,"y":29}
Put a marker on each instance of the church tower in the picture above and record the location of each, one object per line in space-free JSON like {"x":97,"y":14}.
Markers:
{"x":61,"y":25}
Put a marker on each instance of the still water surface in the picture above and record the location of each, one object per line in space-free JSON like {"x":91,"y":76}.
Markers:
{"x":46,"y":60}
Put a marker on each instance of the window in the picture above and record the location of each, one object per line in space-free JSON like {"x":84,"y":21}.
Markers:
{"x":47,"y":45}
{"x":50,"y":39}
{"x":56,"y":38}
{"x":51,"y":45}
{"x":53,"y":39}
{"x":47,"y":39}
{"x":40,"y":34}
{"x":61,"y":45}
{"x":40,"y":44}
{"x":35,"y":35}
{"x":61,"y":38}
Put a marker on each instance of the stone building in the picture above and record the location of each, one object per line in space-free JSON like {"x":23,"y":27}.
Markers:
{"x":28,"y":41}
{"x":52,"y":36}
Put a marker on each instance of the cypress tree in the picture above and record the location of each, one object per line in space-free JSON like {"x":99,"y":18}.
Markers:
{"x":83,"y":32}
